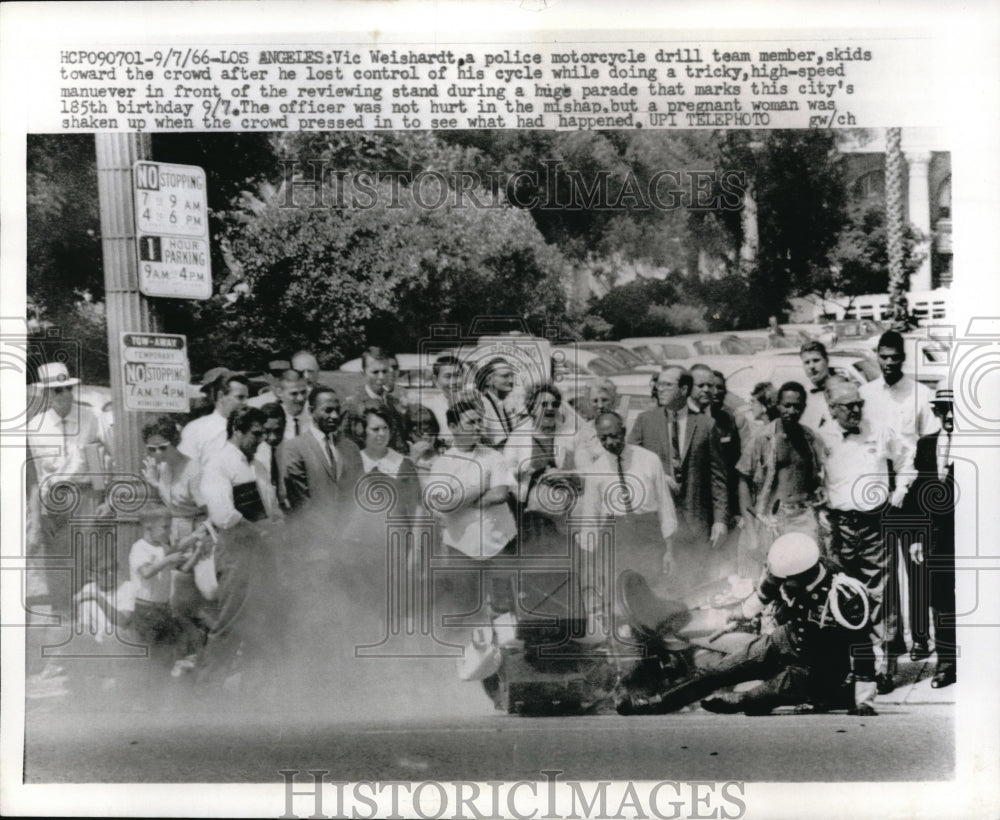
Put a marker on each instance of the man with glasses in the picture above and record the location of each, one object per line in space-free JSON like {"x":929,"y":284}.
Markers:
{"x":857,"y":474}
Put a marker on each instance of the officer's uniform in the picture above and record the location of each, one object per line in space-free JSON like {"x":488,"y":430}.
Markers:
{"x":807,"y":658}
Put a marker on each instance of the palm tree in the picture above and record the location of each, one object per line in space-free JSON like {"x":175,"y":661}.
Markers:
{"x":898,"y":278}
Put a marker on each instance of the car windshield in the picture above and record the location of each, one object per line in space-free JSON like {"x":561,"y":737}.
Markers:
{"x":671,"y":351}
{"x":602,"y":366}
{"x":734,"y":347}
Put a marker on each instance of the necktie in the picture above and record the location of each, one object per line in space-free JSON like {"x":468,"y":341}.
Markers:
{"x":675,"y":445}
{"x":329,"y":455}
{"x":946,"y":462}
{"x":626,"y":493}
{"x":65,"y":436}
{"x":275,"y":475}
{"x":296,"y":420}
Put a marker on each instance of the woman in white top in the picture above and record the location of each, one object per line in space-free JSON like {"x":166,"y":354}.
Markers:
{"x":174,"y":476}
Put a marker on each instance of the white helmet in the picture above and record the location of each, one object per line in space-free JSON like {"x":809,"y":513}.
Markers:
{"x":792,"y":554}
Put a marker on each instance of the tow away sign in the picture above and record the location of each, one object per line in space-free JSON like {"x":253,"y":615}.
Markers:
{"x":155,"y":372}
{"x":171,"y":224}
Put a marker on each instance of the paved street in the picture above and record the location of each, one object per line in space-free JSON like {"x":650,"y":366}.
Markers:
{"x":458,"y":737}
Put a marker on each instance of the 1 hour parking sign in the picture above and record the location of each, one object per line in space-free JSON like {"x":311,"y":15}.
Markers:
{"x":155,"y":372}
{"x":171,"y":224}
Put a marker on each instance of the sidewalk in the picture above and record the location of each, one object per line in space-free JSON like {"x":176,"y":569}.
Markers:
{"x":914,"y":685}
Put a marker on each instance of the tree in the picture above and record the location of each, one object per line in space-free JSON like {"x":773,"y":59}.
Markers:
{"x":898,"y":276}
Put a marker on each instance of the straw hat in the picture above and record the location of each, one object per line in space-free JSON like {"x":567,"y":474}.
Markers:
{"x":54,"y":374}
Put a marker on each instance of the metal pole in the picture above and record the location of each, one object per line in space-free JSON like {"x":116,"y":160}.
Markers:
{"x":127,"y":309}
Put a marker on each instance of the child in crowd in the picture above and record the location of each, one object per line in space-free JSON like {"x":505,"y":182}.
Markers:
{"x":169,"y":637}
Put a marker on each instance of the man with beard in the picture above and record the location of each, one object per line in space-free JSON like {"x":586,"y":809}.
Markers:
{"x":780,"y":474}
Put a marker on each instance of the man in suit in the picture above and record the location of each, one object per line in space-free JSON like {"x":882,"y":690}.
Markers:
{"x":377,"y":365}
{"x":689,"y":450}
{"x":932,"y":496}
{"x":319,"y":467}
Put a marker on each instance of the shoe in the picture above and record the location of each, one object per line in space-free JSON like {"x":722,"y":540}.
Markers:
{"x":723,"y":704}
{"x":919,"y":652}
{"x":884,"y":683}
{"x":943,"y":677}
{"x":864,"y":710}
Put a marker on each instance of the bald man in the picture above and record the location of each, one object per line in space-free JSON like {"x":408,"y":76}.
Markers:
{"x":858,"y":463}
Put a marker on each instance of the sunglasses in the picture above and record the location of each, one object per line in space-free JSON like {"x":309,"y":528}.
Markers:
{"x":851,"y":405}
{"x":156,"y":448}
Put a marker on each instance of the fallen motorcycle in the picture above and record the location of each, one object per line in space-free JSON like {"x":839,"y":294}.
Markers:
{"x":551,"y":649}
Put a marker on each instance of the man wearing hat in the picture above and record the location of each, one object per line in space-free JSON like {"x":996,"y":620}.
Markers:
{"x":207,"y":435}
{"x":932,"y":496}
{"x":67,"y":454}
{"x":821,"y":640}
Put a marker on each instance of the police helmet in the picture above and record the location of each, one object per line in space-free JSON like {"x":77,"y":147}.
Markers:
{"x":792,"y":554}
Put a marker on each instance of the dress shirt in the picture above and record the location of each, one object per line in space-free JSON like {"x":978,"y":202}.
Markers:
{"x":857,"y":467}
{"x":328,"y":451}
{"x":682,"y":424}
{"x":643,"y":475}
{"x":305,"y":422}
{"x":225,"y":470}
{"x":816,"y":415}
{"x":479,"y":531}
{"x":388,"y":465}
{"x":905,"y":406}
{"x":203,"y":437}
{"x":527,"y":451}
{"x":57,"y":444}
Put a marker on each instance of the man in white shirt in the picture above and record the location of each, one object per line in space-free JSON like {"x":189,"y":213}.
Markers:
{"x":377,"y":388}
{"x":857,"y":476}
{"x":816,"y":363}
{"x":292,"y":390}
{"x":240,"y":501}
{"x":627,"y":484}
{"x":448,"y":372}
{"x":903,"y":404}
{"x":207,"y":434}
{"x":68,"y":459}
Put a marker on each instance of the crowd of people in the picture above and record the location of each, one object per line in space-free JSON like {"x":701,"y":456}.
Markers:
{"x":261,"y":495}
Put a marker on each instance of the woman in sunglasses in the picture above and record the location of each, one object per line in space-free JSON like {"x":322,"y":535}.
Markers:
{"x":174,"y":476}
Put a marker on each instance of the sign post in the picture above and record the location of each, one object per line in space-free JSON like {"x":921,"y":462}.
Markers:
{"x":155,"y":372}
{"x":171,"y":219}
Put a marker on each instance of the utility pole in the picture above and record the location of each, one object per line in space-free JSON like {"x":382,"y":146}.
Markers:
{"x":127,"y":309}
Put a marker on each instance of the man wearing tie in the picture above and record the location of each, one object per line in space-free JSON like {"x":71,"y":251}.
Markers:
{"x":377,"y":388}
{"x":320,"y":468}
{"x":292,"y":391}
{"x":689,"y":450}
{"x":932,"y":496}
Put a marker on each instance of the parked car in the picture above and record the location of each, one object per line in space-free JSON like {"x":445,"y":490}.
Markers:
{"x":621,"y":355}
{"x":689,"y":348}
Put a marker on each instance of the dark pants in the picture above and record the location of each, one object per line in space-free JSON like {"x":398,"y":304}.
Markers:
{"x":249,"y":606}
{"x":168,"y":636}
{"x":860,"y":549}
{"x":789,"y":676}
